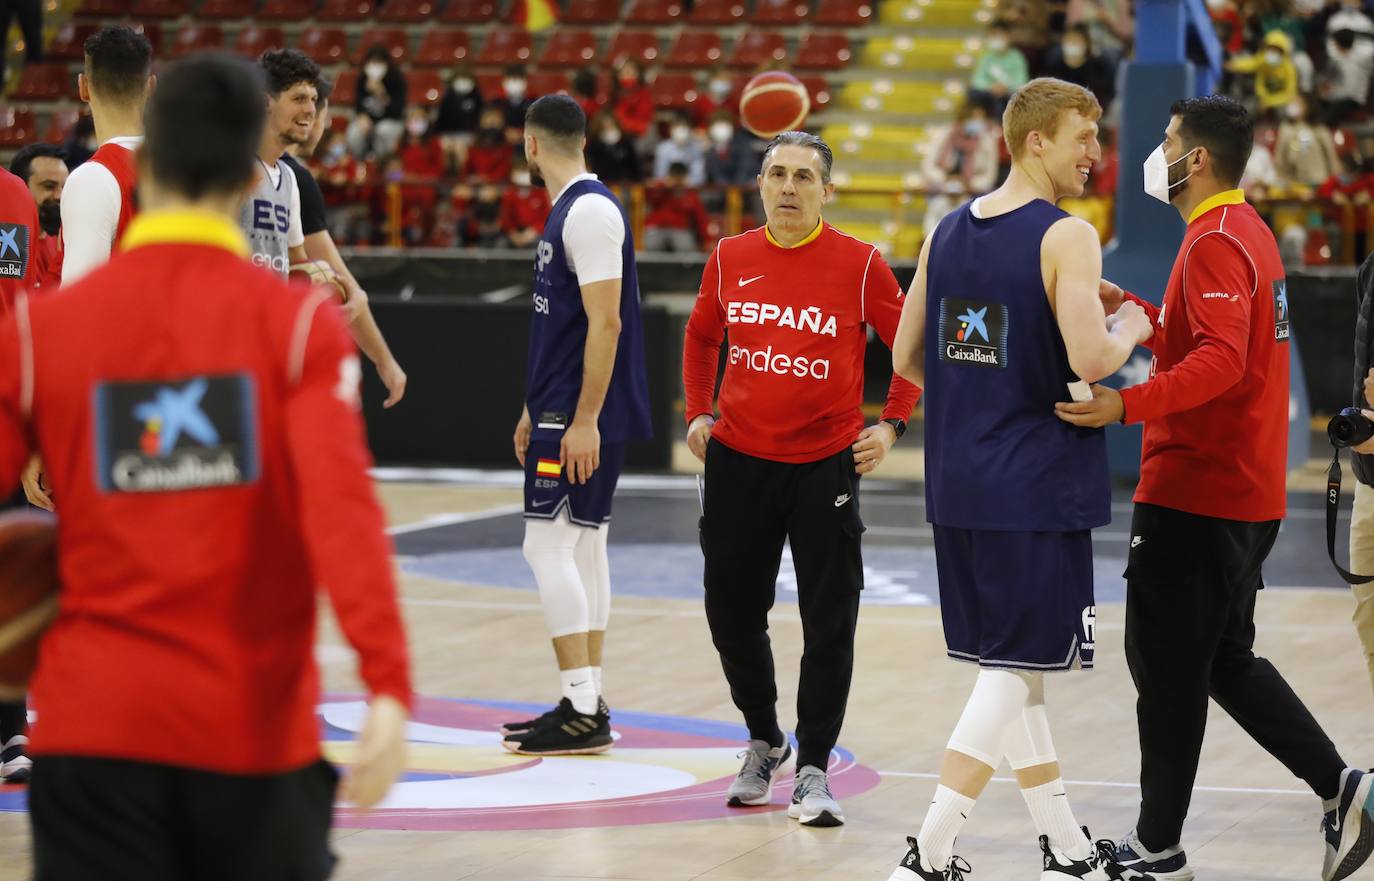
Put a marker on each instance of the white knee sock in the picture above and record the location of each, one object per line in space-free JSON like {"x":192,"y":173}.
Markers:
{"x":550,"y":548}
{"x":594,"y":567}
{"x":1029,"y":745}
{"x":948,"y":813}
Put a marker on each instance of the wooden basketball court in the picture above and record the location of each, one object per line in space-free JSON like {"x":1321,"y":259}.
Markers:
{"x":651,"y":809}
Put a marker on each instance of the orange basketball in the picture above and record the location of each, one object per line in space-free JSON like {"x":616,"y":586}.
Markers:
{"x":28,"y":594}
{"x":773,"y":102}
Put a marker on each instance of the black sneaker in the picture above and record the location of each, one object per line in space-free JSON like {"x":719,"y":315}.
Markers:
{"x":1348,"y":831}
{"x":1100,"y":865}
{"x":531,"y":724}
{"x":914,"y":867}
{"x":15,"y":766}
{"x":566,"y":733}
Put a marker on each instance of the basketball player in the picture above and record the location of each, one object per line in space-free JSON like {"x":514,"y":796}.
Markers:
{"x":586,"y":396}
{"x":214,"y":476}
{"x":99,"y":199}
{"x":18,"y":235}
{"x":784,"y":460}
{"x":1012,"y":492}
{"x":273,"y":218}
{"x":319,"y":245}
{"x":1212,"y":493}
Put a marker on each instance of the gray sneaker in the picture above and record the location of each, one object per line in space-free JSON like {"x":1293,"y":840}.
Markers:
{"x":812,"y":802}
{"x":754,"y":784}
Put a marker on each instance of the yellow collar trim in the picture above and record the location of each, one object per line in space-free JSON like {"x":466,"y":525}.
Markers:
{"x":1227,"y":197}
{"x":811,"y":237}
{"x":185,"y":228}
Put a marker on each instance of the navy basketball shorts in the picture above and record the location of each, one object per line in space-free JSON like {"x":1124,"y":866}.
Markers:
{"x":1017,"y":600}
{"x":548,"y":492}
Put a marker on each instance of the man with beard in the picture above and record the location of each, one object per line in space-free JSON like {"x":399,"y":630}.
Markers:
{"x":271,"y":215}
{"x":44,"y":168}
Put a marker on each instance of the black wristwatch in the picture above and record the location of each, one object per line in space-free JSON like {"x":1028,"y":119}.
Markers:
{"x":898,"y":425}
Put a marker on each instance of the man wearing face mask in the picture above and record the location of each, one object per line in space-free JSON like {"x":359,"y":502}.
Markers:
{"x":1076,"y":63}
{"x":379,"y":107}
{"x":523,"y":208}
{"x":1276,"y":76}
{"x":610,"y":155}
{"x":681,"y":146}
{"x":514,"y":100}
{"x":732,"y":160}
{"x":1001,"y":68}
{"x":1211,"y":496}
{"x":44,"y":168}
{"x":1349,"y":65}
{"x":456,"y":122}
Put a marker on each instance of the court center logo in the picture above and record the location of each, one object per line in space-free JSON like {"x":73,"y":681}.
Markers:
{"x":166,"y":436}
{"x":14,"y":250}
{"x":1281,"y":309}
{"x":973,"y":332}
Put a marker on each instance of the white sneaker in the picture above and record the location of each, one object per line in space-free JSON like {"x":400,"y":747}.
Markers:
{"x":812,"y":802}
{"x":15,"y":765}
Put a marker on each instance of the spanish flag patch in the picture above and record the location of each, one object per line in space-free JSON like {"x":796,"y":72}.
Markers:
{"x":548,"y":468}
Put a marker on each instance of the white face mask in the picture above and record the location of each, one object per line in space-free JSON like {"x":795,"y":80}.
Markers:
{"x":463,"y":86}
{"x":520,"y":178}
{"x":417,"y":127}
{"x":375,"y":70}
{"x":1156,"y":172}
{"x":1074,"y":52}
{"x":997,"y":44}
{"x":1273,"y":57}
{"x":610,"y":138}
{"x":720,"y":88}
{"x":680,"y":134}
{"x":514,"y":88}
{"x":721,"y":131}
{"x":1293,"y":112}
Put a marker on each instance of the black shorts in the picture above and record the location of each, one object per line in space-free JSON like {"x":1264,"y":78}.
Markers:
{"x":115,"y":820}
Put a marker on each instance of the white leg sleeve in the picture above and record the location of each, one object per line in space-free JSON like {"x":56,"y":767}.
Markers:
{"x":998,"y":699}
{"x":551,"y":549}
{"x":593,"y":564}
{"x":1028,"y":741}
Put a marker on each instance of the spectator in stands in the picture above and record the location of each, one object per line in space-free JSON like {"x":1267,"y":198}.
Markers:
{"x":30,"y":15}
{"x":1228,"y":24}
{"x":1077,"y":63}
{"x":1305,"y":151}
{"x":631,"y":100}
{"x":676,"y":219}
{"x":1350,"y":16}
{"x":732,"y":159}
{"x":1349,"y":65}
{"x":1276,"y":77}
{"x":515,"y":98}
{"x":586,"y":92}
{"x":379,"y":107}
{"x":421,"y":154}
{"x":962,"y":160}
{"x":718,"y":91}
{"x":682,"y":146}
{"x":81,"y":143}
{"x":1107,"y":25}
{"x":489,"y":159}
{"x":1349,"y":192}
{"x":524,"y":208}
{"x":610,"y":155}
{"x":444,"y":232}
{"x":484,"y":220}
{"x":343,"y":181}
{"x":44,"y":168}
{"x":1261,"y":176}
{"x":460,"y":111}
{"x":1001,"y":69}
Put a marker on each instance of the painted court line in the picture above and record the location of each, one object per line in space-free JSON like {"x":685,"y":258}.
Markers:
{"x":1114,"y":784}
{"x":450,"y":519}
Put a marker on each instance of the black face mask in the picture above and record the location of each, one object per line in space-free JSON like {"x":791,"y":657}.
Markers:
{"x":50,"y":216}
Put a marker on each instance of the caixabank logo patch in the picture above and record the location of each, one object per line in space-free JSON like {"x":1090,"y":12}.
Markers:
{"x":179,"y":435}
{"x":973,"y":332}
{"x":1281,"y":309}
{"x":14,"y":250}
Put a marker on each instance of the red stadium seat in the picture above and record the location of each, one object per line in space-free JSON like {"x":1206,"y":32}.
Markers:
{"x":252,"y":41}
{"x":781,"y":12}
{"x":69,"y":43}
{"x":345,"y":92}
{"x":160,"y":8}
{"x":639,"y":45}
{"x":408,"y":11}
{"x":45,"y":81}
{"x":675,"y":91}
{"x":590,"y":12}
{"x":60,"y":124}
{"x":469,"y":11}
{"x":442,"y":48}
{"x":695,"y":49}
{"x":569,"y":49}
{"x":489,"y":86}
{"x":819,"y":90}
{"x":546,"y":82}
{"x":823,"y":51}
{"x":506,"y":47}
{"x":655,"y":12}
{"x":153,"y":33}
{"x":18,"y":126}
{"x":104,"y":8}
{"x":324,"y":45}
{"x":225,"y":10}
{"x":394,"y":40}
{"x":425,"y":88}
{"x":715,"y":13}
{"x":844,"y":13}
{"x":196,"y":38}
{"x":346,"y":10}
{"x":758,"y":47}
{"x":287,"y":10}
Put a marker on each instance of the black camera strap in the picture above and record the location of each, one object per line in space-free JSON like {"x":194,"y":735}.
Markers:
{"x":1333,"y":504}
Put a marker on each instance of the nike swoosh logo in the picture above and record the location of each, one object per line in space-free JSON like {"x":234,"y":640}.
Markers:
{"x":579,"y":684}
{"x":1336,"y":824}
{"x":841,"y":500}
{"x":748,"y":281}
{"x":541,"y":504}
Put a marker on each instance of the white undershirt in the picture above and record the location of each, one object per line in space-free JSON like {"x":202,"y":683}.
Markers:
{"x":295,"y":233}
{"x":91,"y":202}
{"x":593,"y":236}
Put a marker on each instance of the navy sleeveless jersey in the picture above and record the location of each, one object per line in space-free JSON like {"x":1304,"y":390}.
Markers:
{"x":997,"y":458}
{"x":558,"y":337}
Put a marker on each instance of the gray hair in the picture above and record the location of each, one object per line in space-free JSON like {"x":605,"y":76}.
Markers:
{"x":803,"y":139}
